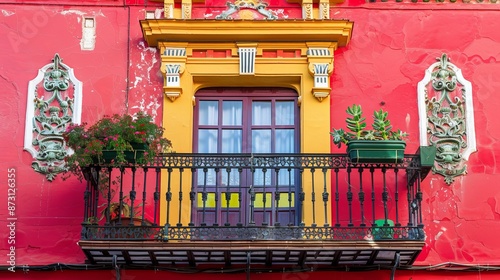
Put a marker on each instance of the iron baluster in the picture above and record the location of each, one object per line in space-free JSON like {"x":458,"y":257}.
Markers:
{"x":302,"y":197}
{"x":372,"y":171}
{"x":325,"y":197}
{"x":132,"y":195}
{"x":204,"y":196}
{"x":181,"y":172}
{"x":276,"y":198}
{"x":264,"y":198}
{"x":251,"y":191}
{"x":228,"y":195}
{"x":349,"y":196}
{"x":192,"y":196}
{"x":385,"y":197}
{"x":313,"y":198}
{"x":361,"y":197}
{"x":396,"y":197}
{"x":143,"y":222}
{"x":290,"y":222}
{"x":216,"y":196}
{"x":337,"y":198}
{"x":168,"y":194}
{"x":240,"y":175}
{"x":121,"y":196}
{"x":156,"y":195}
{"x":108,"y":210}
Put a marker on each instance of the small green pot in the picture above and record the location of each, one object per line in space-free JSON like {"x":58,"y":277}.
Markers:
{"x":376,"y":151}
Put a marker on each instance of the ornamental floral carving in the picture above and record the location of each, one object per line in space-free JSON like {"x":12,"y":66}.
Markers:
{"x":54,"y":101}
{"x":447,"y":118}
{"x":259,"y":6}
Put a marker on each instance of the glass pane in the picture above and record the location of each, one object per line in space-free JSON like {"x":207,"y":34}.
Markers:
{"x":286,"y":177}
{"x":209,"y":175}
{"x":261,"y":141}
{"x":208,"y":113}
{"x":261,"y":178}
{"x":231,"y":141}
{"x":234,"y":177}
{"x":284,"y":113}
{"x":232,"y":112}
{"x":207,"y":140}
{"x":207,"y":143}
{"x":261,"y":113}
{"x":285,"y":141}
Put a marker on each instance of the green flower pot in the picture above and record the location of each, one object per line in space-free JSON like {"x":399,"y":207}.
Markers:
{"x":377,"y":151}
{"x":134,"y":156}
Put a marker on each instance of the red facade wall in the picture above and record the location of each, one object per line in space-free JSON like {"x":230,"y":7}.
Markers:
{"x":391,"y":47}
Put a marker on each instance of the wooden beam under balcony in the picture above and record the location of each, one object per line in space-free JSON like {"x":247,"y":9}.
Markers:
{"x":273,"y":254}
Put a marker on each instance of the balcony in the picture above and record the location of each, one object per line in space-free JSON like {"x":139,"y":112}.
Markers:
{"x":254,"y":210}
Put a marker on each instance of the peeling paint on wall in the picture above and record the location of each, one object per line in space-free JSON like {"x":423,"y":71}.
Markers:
{"x":7,"y":13}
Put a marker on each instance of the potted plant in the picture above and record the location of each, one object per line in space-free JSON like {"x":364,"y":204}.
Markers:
{"x":120,"y":213}
{"x":381,"y":144}
{"x":115,"y":140}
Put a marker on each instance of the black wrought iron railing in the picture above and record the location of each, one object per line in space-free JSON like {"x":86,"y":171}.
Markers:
{"x":254,"y":197}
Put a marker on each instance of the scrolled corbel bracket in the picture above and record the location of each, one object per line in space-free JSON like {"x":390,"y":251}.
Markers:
{"x":320,"y":66}
{"x":173,"y":65}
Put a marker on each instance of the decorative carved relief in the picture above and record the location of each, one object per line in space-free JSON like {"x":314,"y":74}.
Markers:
{"x":54,"y":101}
{"x":186,"y":10}
{"x":307,"y":9}
{"x":168,"y":8}
{"x":259,"y":6}
{"x":447,"y":117}
{"x":324,"y":10}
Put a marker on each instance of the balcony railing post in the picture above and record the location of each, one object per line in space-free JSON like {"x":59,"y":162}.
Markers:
{"x":144,"y":194}
{"x":240,"y":199}
{"x":396,"y":197}
{"x":325,"y":197}
{"x":216,"y":196}
{"x":349,"y":195}
{"x":120,"y":196}
{"x":276,"y":197}
{"x":108,"y":212}
{"x":385,"y":197}
{"x":168,"y":193}
{"x":264,"y":198}
{"x":204,"y":197}
{"x":372,"y":172}
{"x":302,"y":197}
{"x":228,"y":195}
{"x":313,"y":198}
{"x":181,"y":173}
{"x":290,"y":186}
{"x":337,"y":198}
{"x":361,"y":197}
{"x":156,"y":195}
{"x":132,"y":195}
{"x":192,"y":197}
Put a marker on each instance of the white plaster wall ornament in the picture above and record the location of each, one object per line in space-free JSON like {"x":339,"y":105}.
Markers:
{"x":259,"y":6}
{"x":54,"y":102}
{"x":446,"y":117}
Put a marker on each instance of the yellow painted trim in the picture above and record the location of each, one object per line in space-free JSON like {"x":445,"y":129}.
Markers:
{"x":288,"y":72}
{"x":205,"y":30}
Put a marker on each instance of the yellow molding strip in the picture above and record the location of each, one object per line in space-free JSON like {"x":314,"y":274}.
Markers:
{"x":173,"y":30}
